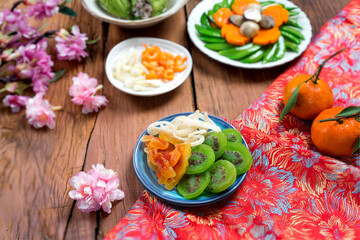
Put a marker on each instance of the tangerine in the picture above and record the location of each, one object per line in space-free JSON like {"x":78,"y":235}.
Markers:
{"x":312,"y":97}
{"x":335,"y":138}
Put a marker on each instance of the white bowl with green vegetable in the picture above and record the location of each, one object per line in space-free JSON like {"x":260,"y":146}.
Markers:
{"x":293,"y":33}
{"x":133,"y":13}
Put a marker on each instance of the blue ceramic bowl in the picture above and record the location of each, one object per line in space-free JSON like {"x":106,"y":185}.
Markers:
{"x":149,"y":180}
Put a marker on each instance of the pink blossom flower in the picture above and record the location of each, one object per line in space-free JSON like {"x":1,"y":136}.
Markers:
{"x":34,"y":63}
{"x":83,"y":92}
{"x":89,"y":101}
{"x":43,"y":8}
{"x":70,"y":46}
{"x":95,"y":189}
{"x":14,"y":22}
{"x":106,"y":190}
{"x":82,"y":83}
{"x":84,"y":193}
{"x":15,"y":102}
{"x":39,"y":112}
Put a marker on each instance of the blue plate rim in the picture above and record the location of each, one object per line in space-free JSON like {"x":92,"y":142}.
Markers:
{"x":154,"y":190}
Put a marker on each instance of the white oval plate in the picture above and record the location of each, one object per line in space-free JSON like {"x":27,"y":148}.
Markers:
{"x":137,"y":43}
{"x":94,"y":8}
{"x":206,"y":5}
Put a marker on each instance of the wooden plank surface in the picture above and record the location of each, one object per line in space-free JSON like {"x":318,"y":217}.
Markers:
{"x":36,"y":165}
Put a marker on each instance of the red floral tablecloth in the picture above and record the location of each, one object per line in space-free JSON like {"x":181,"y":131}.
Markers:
{"x":291,"y":191}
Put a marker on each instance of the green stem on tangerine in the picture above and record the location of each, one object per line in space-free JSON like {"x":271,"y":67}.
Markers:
{"x":317,"y":73}
{"x":333,"y":119}
{"x":338,"y":119}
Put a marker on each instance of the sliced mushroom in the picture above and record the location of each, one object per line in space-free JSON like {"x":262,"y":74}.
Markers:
{"x":249,"y":29}
{"x":267,"y":22}
{"x":253,"y":15}
{"x":142,"y":9}
{"x":255,"y":6}
{"x":237,"y":20}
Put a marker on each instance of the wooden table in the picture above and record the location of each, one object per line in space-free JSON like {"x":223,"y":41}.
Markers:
{"x":36,"y":165}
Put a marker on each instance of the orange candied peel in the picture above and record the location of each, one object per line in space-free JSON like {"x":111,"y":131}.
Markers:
{"x":161,"y":65}
{"x":170,"y":163}
{"x":154,"y":142}
{"x":181,"y":165}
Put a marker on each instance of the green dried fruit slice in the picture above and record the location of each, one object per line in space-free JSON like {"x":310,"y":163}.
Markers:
{"x":217,"y":141}
{"x":232,"y":135}
{"x":223,"y":175}
{"x":239,"y":155}
{"x":202,"y":157}
{"x":191,"y":186}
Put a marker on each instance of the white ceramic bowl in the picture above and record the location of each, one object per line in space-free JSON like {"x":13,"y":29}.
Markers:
{"x":93,"y":7}
{"x":137,"y":43}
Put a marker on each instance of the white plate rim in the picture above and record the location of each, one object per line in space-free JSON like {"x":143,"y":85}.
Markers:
{"x":137,"y":42}
{"x":205,"y":5}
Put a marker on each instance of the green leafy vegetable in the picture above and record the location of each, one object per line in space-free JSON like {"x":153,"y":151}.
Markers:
{"x":158,"y":6}
{"x":118,"y":8}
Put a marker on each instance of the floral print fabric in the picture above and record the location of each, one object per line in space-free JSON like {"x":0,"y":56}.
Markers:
{"x":292,"y":191}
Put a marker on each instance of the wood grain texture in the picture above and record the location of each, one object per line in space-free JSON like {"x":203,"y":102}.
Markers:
{"x":36,"y":165}
{"x":119,"y":126}
{"x":227,"y":91}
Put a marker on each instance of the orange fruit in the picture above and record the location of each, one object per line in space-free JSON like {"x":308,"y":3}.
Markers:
{"x":312,"y":98}
{"x":333,"y":138}
{"x":169,"y":138}
{"x":181,"y":165}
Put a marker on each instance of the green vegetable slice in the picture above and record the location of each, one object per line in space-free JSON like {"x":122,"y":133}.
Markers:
{"x":293,"y":31}
{"x":207,"y":32}
{"x":280,"y":50}
{"x":235,"y":50}
{"x":291,"y":46}
{"x":290,"y":37}
{"x":270,"y":52}
{"x":211,"y":39}
{"x":255,"y":57}
{"x":293,"y":23}
{"x":244,"y":53}
{"x":218,"y":46}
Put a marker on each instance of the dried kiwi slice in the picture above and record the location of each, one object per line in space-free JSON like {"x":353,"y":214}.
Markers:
{"x":239,"y":155}
{"x":223,"y":175}
{"x":217,"y":141}
{"x":232,"y":135}
{"x":191,"y":186}
{"x":202,"y":157}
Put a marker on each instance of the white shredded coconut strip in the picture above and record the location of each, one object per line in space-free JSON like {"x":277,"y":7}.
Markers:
{"x":129,"y":70}
{"x":191,"y":128}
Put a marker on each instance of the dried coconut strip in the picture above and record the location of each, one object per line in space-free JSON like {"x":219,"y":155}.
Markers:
{"x":191,"y":128}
